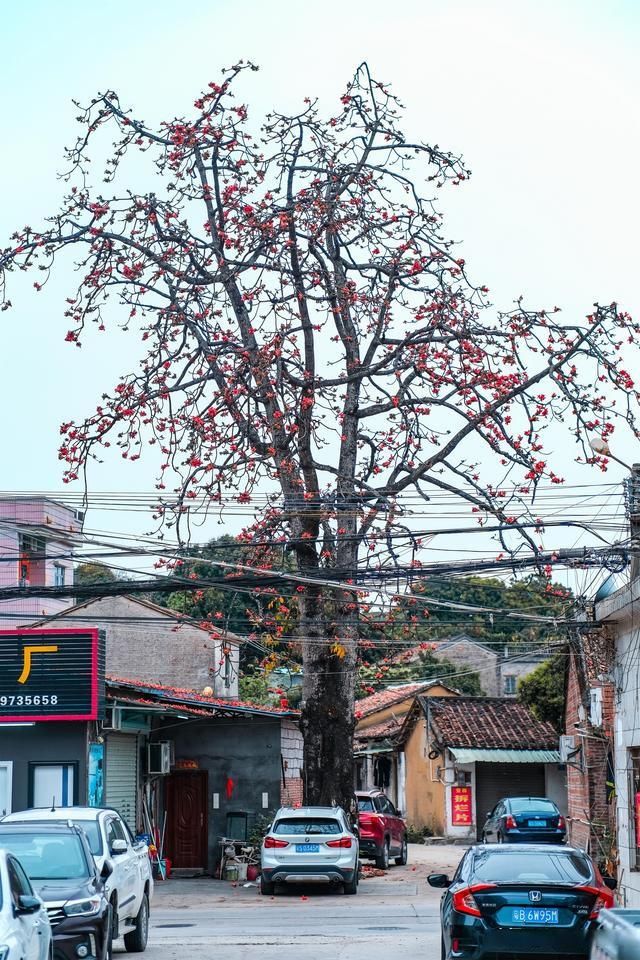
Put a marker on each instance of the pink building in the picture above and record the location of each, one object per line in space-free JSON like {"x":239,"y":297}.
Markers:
{"x":37,"y":540}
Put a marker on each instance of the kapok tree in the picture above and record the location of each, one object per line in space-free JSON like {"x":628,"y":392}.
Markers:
{"x":300,"y":321}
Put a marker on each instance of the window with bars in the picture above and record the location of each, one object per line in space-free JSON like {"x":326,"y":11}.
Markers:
{"x":510,"y":685}
{"x":634,"y":808}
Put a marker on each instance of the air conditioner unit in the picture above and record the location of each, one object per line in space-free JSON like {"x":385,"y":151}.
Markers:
{"x":112,"y":719}
{"x":567,"y":747}
{"x":159,"y":757}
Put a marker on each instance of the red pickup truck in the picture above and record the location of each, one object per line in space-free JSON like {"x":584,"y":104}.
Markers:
{"x":383,"y":832}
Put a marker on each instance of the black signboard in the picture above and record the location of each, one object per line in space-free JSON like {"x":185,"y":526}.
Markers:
{"x":51,"y":674}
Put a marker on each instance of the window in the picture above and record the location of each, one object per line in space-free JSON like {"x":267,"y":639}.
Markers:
{"x":297,"y":827}
{"x":18,"y":882}
{"x":48,"y":855}
{"x":518,"y":866}
{"x":53,"y":784}
{"x":365,"y":804}
{"x":114,"y":832}
{"x":510,"y":685}
{"x":58,"y":575}
{"x":634,"y":808}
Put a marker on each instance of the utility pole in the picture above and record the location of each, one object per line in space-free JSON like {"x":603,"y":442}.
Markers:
{"x":632,"y":498}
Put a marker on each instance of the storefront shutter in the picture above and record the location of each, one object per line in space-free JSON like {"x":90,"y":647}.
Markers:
{"x":121,"y":776}
{"x":494,"y":781}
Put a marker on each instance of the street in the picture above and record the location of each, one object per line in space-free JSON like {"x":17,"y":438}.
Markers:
{"x":398,"y":912}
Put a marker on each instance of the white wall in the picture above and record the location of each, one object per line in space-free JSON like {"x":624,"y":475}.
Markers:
{"x":622,"y":612}
{"x":555,"y":786}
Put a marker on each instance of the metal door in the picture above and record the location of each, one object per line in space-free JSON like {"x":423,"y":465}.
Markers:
{"x":497,"y":780}
{"x":186,"y":799}
{"x":121,"y":776}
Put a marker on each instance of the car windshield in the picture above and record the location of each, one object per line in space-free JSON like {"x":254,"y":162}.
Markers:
{"x":92,"y":831}
{"x":298,"y":827}
{"x":528,"y":805}
{"x":365,"y":804}
{"x":48,"y":856}
{"x":520,"y":866}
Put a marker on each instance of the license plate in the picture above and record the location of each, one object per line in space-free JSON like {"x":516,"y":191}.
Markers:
{"x":536,"y":823}
{"x":307,"y":848}
{"x":542,"y":916}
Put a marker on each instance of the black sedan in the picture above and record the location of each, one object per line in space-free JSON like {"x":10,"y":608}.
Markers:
{"x":525,"y":819}
{"x":530,"y":900}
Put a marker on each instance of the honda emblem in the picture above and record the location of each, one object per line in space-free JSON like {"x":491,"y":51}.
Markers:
{"x":535,"y":896}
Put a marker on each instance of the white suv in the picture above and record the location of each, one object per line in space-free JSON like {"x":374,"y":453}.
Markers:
{"x":310,"y":845}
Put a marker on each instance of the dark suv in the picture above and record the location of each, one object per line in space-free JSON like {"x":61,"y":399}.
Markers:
{"x":59,"y":863}
{"x":383,"y":832}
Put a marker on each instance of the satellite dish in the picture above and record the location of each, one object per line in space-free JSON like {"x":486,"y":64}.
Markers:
{"x":606,"y":588}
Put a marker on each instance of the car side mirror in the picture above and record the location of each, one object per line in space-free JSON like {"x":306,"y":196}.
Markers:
{"x":28,"y":904}
{"x":398,"y":813}
{"x":118,"y":847}
{"x":438,"y":880}
{"x":107,"y":870}
{"x":610,"y":882}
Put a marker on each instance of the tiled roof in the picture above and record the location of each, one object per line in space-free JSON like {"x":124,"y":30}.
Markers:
{"x":147,"y":692}
{"x":487,"y":722}
{"x":378,"y":730}
{"x":388,"y":697}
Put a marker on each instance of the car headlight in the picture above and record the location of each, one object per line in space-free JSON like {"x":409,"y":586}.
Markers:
{"x":82,"y":908}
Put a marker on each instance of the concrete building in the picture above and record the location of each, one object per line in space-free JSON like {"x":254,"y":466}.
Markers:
{"x":149,"y":643}
{"x":499,"y":668}
{"x":37,"y":539}
{"x":620,"y":613}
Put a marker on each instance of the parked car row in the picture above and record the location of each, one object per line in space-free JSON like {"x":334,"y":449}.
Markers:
{"x":71,"y":881}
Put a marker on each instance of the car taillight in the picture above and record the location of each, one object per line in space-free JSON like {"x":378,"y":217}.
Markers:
{"x":604,"y":900}
{"x":464,"y":900}
{"x":562,"y":823}
{"x":345,"y":842}
{"x":270,"y":842}
{"x":510,"y":823}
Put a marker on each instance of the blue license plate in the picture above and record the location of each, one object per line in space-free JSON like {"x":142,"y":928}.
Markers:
{"x":536,"y":823}
{"x":536,"y":916}
{"x":307,"y":848}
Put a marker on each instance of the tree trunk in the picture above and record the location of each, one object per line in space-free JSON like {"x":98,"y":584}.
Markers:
{"x":328,"y":700}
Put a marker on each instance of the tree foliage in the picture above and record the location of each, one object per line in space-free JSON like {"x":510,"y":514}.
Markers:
{"x":302,"y":326}
{"x":543,"y":691}
{"x":426,"y":666}
{"x":94,"y":572}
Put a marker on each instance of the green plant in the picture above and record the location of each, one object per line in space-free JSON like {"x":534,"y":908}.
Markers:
{"x":418,"y":834}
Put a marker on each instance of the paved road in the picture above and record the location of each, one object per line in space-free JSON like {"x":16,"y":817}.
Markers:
{"x":317,"y":929}
{"x":395,"y":915}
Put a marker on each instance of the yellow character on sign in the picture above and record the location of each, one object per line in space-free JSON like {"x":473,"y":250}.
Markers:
{"x":27,"y":654}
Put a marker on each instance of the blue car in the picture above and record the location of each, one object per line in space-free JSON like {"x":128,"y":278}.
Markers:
{"x":524,"y":820}
{"x":526,"y":900}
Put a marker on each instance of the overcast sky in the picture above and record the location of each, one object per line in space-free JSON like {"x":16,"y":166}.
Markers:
{"x":540,"y":97}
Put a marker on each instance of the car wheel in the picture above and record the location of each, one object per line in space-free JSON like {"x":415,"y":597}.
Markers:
{"x":136,"y":940}
{"x":115,"y":926}
{"x":351,"y":886}
{"x":108,"y":953}
{"x":267,"y":889}
{"x":404,"y":854}
{"x":382,"y":858}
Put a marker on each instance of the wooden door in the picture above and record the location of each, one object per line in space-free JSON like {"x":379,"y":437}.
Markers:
{"x":186,"y":840}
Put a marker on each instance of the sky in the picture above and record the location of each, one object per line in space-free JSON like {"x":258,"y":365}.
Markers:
{"x":540,"y":97}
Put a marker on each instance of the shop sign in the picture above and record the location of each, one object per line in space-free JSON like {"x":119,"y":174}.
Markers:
{"x":461,"y":812}
{"x":51,"y":675}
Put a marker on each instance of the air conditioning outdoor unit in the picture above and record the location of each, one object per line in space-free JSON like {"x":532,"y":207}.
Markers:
{"x":159,"y":757}
{"x":566,"y":748}
{"x":112,"y":719}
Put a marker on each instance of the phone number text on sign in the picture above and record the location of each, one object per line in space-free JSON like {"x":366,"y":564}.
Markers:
{"x":51,"y":674}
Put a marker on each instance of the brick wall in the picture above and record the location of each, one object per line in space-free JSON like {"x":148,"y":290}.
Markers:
{"x":590,"y":816}
{"x":291,"y":792}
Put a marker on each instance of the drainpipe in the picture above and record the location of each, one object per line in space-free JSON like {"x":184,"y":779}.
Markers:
{"x":402,"y":780}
